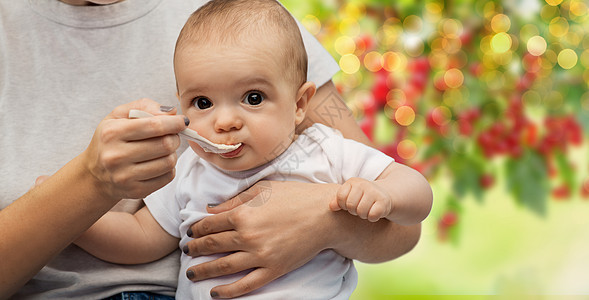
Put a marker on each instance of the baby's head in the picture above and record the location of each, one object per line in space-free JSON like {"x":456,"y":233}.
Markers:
{"x":241,"y":71}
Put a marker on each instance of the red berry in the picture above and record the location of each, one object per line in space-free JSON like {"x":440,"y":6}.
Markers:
{"x":465,"y":127}
{"x":487,"y":181}
{"x":561,"y":192}
{"x":449,"y":219}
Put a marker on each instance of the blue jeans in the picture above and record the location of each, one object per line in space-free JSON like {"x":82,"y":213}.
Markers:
{"x":138,"y":296}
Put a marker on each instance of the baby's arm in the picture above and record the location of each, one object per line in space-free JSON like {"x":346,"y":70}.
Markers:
{"x":124,"y":238}
{"x":400,"y":194}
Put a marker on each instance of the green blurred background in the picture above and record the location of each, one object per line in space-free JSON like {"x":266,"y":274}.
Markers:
{"x":489,"y":100}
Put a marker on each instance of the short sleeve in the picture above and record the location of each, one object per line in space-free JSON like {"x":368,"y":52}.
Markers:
{"x":347,"y":157}
{"x":359,"y":160}
{"x":163,"y":204}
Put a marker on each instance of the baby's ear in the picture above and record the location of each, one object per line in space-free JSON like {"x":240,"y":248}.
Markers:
{"x":304,"y":95}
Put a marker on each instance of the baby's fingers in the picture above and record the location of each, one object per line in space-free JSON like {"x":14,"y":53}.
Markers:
{"x":353,"y":200}
{"x":334,"y":205}
{"x":378,"y":211}
{"x":341,"y":197}
{"x":365,"y":206}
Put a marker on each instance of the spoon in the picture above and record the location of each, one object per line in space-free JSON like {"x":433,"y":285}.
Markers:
{"x":190,"y":134}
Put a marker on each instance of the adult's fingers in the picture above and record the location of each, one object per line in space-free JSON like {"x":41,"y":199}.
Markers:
{"x":145,"y":104}
{"x":258,"y":194}
{"x":225,"y":265}
{"x":211,"y":224}
{"x":226,"y":241}
{"x":141,"y":129}
{"x":141,"y":188}
{"x":252,"y":281}
{"x":153,"y":168}
{"x":143,"y":150}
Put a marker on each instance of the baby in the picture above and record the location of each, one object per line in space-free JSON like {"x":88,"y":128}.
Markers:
{"x":241,"y":70}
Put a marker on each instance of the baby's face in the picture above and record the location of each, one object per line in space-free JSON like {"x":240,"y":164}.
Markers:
{"x":237,"y":95}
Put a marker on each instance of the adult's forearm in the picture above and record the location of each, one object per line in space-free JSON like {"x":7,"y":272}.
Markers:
{"x":125,"y":159}
{"x":40,"y":224}
{"x":328,"y":108}
{"x":370,"y":242}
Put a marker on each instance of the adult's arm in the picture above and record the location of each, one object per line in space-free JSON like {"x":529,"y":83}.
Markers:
{"x":275,"y":236}
{"x":328,"y":108}
{"x":125,"y":159}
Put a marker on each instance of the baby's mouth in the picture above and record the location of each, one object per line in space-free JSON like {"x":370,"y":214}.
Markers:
{"x":233,"y":153}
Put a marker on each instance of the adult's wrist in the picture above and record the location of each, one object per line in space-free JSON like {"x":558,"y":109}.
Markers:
{"x":84,"y":169}
{"x":332,"y":226}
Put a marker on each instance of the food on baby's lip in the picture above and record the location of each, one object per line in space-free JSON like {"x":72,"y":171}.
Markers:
{"x":192,"y":135}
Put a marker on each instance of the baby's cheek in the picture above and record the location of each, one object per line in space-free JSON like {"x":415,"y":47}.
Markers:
{"x":198,"y":150}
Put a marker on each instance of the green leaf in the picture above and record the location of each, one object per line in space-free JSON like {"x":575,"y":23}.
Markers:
{"x":466,"y":172}
{"x":454,"y":205}
{"x":566,"y":170}
{"x":384,"y":132}
{"x":527,"y":181}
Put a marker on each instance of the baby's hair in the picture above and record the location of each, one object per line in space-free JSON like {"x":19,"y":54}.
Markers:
{"x":225,"y":22}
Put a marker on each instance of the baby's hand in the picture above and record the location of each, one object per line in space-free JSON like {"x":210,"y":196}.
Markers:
{"x":362,"y":198}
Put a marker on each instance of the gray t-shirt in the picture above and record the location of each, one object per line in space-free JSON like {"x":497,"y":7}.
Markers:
{"x":62,"y":70}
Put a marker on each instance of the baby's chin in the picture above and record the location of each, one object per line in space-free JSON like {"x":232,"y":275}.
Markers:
{"x":229,"y":164}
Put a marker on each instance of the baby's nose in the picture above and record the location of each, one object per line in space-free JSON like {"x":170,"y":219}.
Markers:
{"x":228,"y":119}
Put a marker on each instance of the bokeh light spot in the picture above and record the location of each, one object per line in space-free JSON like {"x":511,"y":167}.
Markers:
{"x":578,"y":8}
{"x":453,"y":97}
{"x":453,"y":78}
{"x":349,"y":63}
{"x":373,"y":61}
{"x":354,"y":10}
{"x":500,"y":23}
{"x":567,"y":58}
{"x":585,"y":58}
{"x":312,"y":24}
{"x":413,"y":23}
{"x":532,"y":98}
{"x":405,"y":115}
{"x":407,"y":149}
{"x":536,"y":45}
{"x":558,"y":27}
{"x":345,"y":45}
{"x":553,"y":100}
{"x":413,"y":44}
{"x":585,"y":101}
{"x":549,"y":12}
{"x":441,"y":115}
{"x":434,"y":8}
{"x":451,"y":45}
{"x":501,"y":42}
{"x":451,"y":28}
{"x":528,"y":31}
{"x":349,"y":26}
{"x":393,"y":61}
{"x":396,"y":98}
{"x":438,"y":59}
{"x":553,"y":2}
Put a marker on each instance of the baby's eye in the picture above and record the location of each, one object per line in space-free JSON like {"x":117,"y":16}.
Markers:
{"x":202,"y":102}
{"x":253,"y":98}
